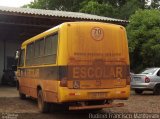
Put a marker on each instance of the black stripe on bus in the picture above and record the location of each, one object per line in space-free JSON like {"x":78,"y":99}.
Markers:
{"x":77,"y":72}
{"x":54,"y":72}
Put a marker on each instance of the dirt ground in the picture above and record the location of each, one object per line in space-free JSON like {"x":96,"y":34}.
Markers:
{"x":15,"y":108}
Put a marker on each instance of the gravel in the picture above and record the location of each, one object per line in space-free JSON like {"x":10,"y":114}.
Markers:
{"x":27,"y":109}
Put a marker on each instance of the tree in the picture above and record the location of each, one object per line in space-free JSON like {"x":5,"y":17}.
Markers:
{"x":111,"y":8}
{"x":155,"y":4}
{"x":144,"y":39}
{"x":66,"y":5}
{"x":130,"y":7}
{"x":94,"y":7}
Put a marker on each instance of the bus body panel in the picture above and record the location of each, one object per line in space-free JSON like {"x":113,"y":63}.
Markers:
{"x":83,"y":46}
{"x":72,"y":95}
{"x":29,"y":86}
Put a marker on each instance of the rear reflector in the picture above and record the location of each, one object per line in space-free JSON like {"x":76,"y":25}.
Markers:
{"x":72,"y":94}
{"x":122,"y":92}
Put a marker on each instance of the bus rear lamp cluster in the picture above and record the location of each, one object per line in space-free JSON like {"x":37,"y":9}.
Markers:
{"x":63,"y":82}
{"x":147,"y":80}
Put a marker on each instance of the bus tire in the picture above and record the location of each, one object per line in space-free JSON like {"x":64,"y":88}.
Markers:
{"x":42,"y":105}
{"x":22,"y":96}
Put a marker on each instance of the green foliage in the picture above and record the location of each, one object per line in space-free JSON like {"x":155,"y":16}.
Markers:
{"x":144,"y":39}
{"x":66,"y":5}
{"x":130,"y":7}
{"x":94,"y":7}
{"x":111,"y":8}
{"x":155,"y":4}
{"x":37,"y":4}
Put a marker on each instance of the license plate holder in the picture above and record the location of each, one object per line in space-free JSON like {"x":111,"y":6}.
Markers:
{"x":137,"y":79}
{"x":97,"y":95}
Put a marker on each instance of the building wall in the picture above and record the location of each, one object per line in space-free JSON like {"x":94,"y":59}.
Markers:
{"x":11,"y":46}
{"x":1,"y":57}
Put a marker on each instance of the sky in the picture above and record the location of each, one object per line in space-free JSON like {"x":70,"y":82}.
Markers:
{"x":14,"y":3}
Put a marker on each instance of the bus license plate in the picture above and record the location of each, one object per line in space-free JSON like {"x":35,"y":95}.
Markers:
{"x":98,"y":95}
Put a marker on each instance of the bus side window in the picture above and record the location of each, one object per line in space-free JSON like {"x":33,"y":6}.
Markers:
{"x":51,"y":43}
{"x":54,"y":43}
{"x":37,"y":49}
{"x":39,"y":52}
{"x":41,"y":43}
{"x":30,"y":54}
{"x":21,"y":59}
{"x":48,"y":45}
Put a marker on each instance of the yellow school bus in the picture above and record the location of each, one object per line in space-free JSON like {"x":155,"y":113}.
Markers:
{"x":82,"y":65}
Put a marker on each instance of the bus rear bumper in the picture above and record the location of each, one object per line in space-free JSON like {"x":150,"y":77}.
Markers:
{"x":95,"y":106}
{"x":78,"y":95}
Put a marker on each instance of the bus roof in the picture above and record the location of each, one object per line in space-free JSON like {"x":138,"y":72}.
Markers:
{"x":49,"y":31}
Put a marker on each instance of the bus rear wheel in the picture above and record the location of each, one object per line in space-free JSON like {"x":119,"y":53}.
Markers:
{"x":22,"y":96}
{"x":42,"y":105}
